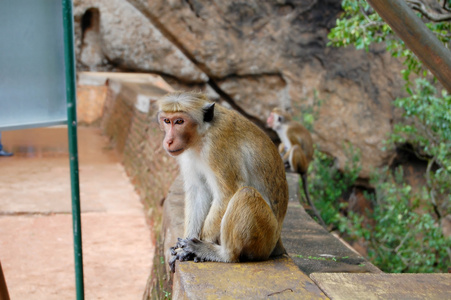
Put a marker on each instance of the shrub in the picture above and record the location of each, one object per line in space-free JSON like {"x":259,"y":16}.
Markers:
{"x":405,"y":235}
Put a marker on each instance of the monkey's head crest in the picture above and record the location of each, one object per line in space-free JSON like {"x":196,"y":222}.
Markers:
{"x":282,"y":112}
{"x":194,"y":104}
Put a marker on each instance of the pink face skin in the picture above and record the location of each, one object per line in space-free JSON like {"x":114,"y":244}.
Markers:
{"x":270,"y":120}
{"x":180,"y":131}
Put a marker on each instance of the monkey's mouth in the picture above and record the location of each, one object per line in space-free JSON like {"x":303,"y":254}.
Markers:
{"x":176,"y":151}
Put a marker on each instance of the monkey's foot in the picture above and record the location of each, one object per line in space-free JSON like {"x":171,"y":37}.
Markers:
{"x":201,"y":250}
{"x":179,"y":254}
{"x":287,"y":165}
{"x":190,"y":249}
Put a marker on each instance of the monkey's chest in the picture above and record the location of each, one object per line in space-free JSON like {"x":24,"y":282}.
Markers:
{"x":284,"y":139}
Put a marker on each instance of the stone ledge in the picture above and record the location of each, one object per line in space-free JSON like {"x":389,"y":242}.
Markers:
{"x":279,"y":278}
{"x":310,"y":247}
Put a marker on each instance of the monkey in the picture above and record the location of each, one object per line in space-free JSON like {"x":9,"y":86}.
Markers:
{"x":236,"y":192}
{"x":296,"y":148}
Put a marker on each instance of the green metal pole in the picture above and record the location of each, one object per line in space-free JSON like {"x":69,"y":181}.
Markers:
{"x":69,"y":59}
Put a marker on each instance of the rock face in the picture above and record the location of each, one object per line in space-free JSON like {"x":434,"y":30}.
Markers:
{"x":256,"y":55}
{"x":113,"y":34}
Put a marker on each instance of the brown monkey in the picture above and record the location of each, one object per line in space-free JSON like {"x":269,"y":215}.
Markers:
{"x":236,"y":192}
{"x":296,"y":148}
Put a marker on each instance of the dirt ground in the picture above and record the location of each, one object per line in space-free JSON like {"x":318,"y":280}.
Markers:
{"x":36,"y":240}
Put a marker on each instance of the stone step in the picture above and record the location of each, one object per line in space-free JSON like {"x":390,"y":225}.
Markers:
{"x":279,"y":278}
{"x":344,"y":286}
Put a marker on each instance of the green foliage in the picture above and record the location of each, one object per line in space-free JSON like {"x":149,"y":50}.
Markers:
{"x":401,"y":236}
{"x":427,"y":126}
{"x":429,"y":121}
{"x":167,"y":295}
{"x":309,"y":112}
{"x":327,"y":185}
{"x":427,"y":113}
{"x":405,"y":235}
{"x":326,"y":258}
{"x":361,"y":26}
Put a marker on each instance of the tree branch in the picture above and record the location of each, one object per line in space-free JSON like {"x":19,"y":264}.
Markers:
{"x":402,"y":243}
{"x":444,"y":6}
{"x":425,"y":11}
{"x":370,"y":22}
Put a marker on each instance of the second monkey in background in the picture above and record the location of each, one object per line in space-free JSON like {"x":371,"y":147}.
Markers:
{"x":296,"y":148}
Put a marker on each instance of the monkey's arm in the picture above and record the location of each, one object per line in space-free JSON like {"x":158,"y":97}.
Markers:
{"x":197,"y":205}
{"x":281,"y":149}
{"x":284,"y":153}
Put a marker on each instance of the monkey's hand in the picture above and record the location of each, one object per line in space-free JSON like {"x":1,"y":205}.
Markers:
{"x":178,"y":253}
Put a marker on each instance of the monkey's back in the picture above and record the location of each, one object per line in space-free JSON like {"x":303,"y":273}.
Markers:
{"x":261,"y":165}
{"x":301,"y":136}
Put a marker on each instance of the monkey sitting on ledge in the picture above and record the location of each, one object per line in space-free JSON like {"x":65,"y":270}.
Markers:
{"x":296,"y":148}
{"x":236,"y":193}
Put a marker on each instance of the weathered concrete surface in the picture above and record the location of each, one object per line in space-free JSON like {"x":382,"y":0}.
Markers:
{"x":384,"y":286}
{"x":36,"y":242}
{"x":92,"y":91}
{"x":312,"y":248}
{"x":129,"y":121}
{"x":278,"y":279}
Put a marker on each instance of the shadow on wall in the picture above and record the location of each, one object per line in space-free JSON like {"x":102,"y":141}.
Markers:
{"x":91,"y":54}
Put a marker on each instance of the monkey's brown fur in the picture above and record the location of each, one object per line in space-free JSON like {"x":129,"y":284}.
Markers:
{"x":236,"y":192}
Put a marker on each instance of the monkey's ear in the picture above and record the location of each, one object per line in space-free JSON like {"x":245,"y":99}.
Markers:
{"x":209,"y":110}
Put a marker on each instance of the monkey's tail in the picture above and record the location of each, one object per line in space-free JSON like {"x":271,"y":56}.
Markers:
{"x":315,"y":211}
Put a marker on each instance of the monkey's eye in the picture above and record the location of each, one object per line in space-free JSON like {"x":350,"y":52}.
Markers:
{"x":167,"y":121}
{"x":179,"y":121}
{"x":280,"y":119}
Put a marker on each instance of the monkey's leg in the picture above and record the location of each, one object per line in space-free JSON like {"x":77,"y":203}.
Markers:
{"x":211,"y":231}
{"x":249,"y":231}
{"x":279,"y":249}
{"x":298,"y":160}
{"x":299,"y":164}
{"x":281,"y":149}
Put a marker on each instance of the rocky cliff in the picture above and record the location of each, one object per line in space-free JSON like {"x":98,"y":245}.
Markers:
{"x":255,"y":55}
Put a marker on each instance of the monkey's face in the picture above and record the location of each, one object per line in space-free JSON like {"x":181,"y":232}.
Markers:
{"x":274,"y":121}
{"x":270,"y":120}
{"x":180,"y":131}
